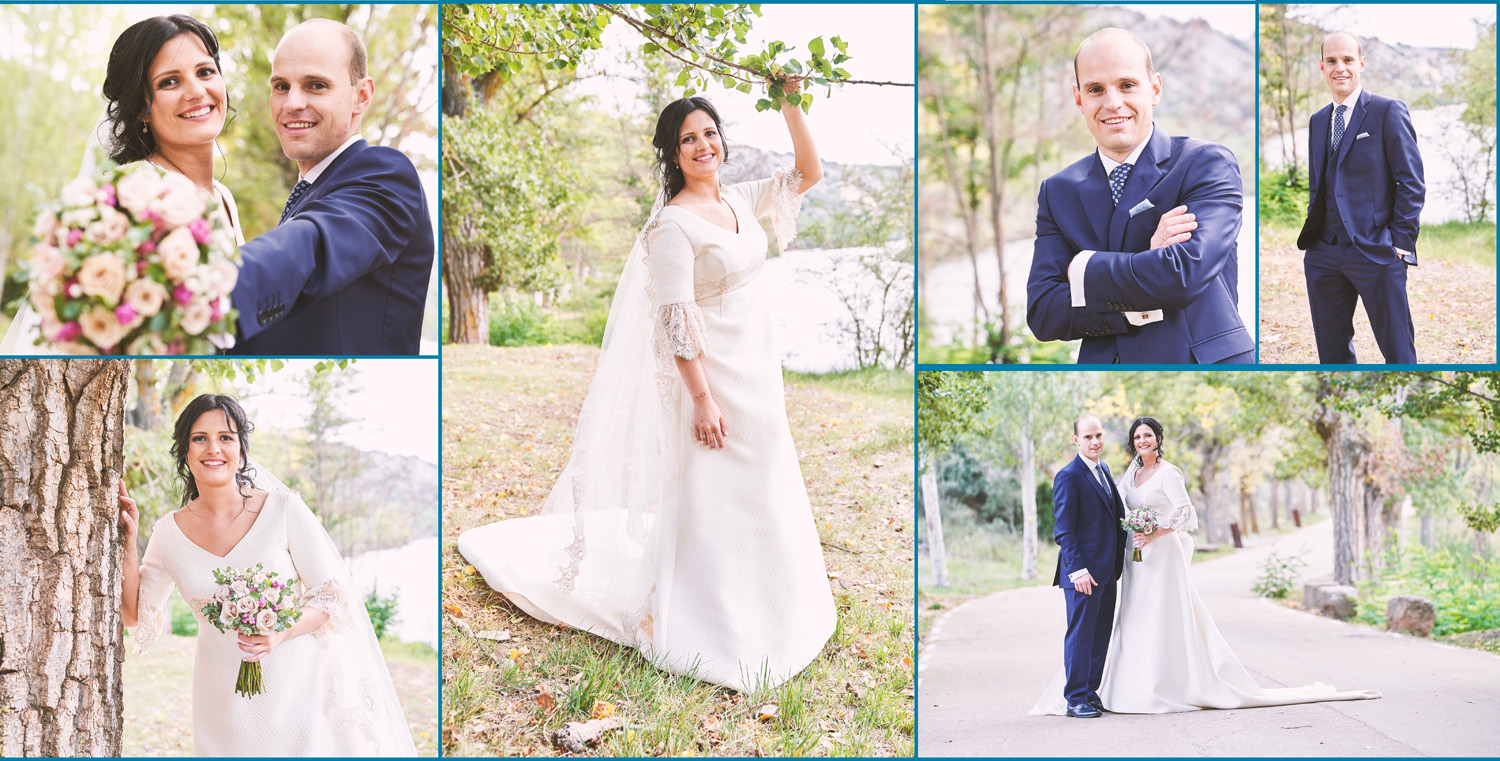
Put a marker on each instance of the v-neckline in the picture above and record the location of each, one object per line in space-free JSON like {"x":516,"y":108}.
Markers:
{"x":237,"y":543}
{"x":1135,"y":485}
{"x":737,"y":225}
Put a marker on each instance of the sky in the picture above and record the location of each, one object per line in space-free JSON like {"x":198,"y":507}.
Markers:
{"x":859,"y":124}
{"x":1420,"y":25}
{"x":1232,"y":20}
{"x":396,"y":400}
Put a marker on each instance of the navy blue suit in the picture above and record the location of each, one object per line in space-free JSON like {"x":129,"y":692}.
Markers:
{"x":1195,"y":283}
{"x":1087,"y":517}
{"x":347,"y":271}
{"x":1364,"y":204}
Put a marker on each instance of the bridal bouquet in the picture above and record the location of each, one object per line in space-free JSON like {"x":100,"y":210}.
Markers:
{"x":1142,"y":521}
{"x":134,"y":261}
{"x":251,"y":601}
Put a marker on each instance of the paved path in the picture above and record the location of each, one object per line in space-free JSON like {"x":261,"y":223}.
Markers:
{"x":986,"y":662}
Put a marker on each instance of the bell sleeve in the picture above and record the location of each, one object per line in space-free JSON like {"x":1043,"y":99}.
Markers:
{"x":320,"y":570}
{"x":776,"y":197}
{"x":1180,"y":513}
{"x":153,"y":591}
{"x":678,"y":321}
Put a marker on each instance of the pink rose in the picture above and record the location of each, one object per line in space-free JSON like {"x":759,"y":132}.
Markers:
{"x":102,"y":275}
{"x":222,"y":593}
{"x":201,"y":231}
{"x":239,"y":587}
{"x":100,"y":327}
{"x":138,"y":188}
{"x":79,"y":192}
{"x":224,"y":275}
{"x":245,"y":605}
{"x":106,"y":195}
{"x":46,"y":264}
{"x":196,"y":316}
{"x":182,"y":295}
{"x":146,"y":296}
{"x":46,"y":224}
{"x":181,"y":203}
{"x":265,"y":621}
{"x":111,"y":227}
{"x":74,"y":235}
{"x":67,"y":332}
{"x":272,"y":596}
{"x":179,"y":253}
{"x":126,"y":315}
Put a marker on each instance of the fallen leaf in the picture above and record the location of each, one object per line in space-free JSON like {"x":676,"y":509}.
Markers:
{"x":602,"y":710}
{"x":455,"y":611}
{"x":544,"y":696}
{"x":766,"y":712}
{"x":497,"y":636}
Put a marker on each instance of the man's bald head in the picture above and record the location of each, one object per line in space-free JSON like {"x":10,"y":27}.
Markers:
{"x":322,"y":31}
{"x":1343,"y":35}
{"x":1110,"y":36}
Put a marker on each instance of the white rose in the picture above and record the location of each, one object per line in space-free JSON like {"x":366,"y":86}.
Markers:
{"x":46,"y":224}
{"x":181,"y":204}
{"x":239,"y":587}
{"x":196,"y":316}
{"x":222,"y":593}
{"x":102,"y":275}
{"x":79,"y":218}
{"x":102,"y":327}
{"x":111,"y":227}
{"x":79,"y":192}
{"x":245,"y":605}
{"x":179,"y":253}
{"x":146,"y":296}
{"x":224,"y":276}
{"x":136,"y":190}
{"x":272,"y":596}
{"x":46,"y":264}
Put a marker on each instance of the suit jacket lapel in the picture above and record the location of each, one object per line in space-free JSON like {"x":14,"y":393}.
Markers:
{"x":1098,"y":487}
{"x":1143,"y":177}
{"x":1094,"y":199}
{"x":1351,"y":132}
{"x":315,"y":191}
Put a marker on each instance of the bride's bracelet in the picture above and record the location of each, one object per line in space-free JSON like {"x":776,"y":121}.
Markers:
{"x":696,"y":397}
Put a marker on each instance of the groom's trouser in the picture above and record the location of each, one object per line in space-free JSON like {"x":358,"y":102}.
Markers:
{"x":1338,"y":275}
{"x":1090,"y":619}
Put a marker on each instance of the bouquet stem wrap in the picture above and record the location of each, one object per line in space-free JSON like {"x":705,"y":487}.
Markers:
{"x":250,"y":683}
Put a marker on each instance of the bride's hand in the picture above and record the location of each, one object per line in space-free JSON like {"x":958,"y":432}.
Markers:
{"x":1141,"y":540}
{"x":258,"y":646}
{"x":130,"y":515}
{"x":708,"y":423}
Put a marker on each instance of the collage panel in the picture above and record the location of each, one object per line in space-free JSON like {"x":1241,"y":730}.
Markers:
{"x":209,"y":557}
{"x":203,"y":180}
{"x":1347,"y":221}
{"x":678,"y":389}
{"x":1152,"y":263}
{"x":1242,"y":563}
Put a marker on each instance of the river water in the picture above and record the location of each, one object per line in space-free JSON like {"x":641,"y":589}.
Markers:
{"x":411,"y":572}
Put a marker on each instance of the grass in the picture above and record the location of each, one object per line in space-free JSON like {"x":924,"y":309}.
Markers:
{"x":508,"y":429}
{"x":159,"y":695}
{"x":1452,"y":297}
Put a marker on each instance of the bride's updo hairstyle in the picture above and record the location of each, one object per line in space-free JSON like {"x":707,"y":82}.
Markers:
{"x":668,"y":129}
{"x":127,"y":81}
{"x":235,"y":414}
{"x":1155,"y":426}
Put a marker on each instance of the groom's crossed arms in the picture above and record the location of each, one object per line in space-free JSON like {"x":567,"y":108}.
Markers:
{"x":1117,"y":274}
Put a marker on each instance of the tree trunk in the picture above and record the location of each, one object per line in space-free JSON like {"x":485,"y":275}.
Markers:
{"x":1028,"y":497}
{"x":61,"y":643}
{"x":147,"y":413}
{"x":934,"y":514}
{"x":468,"y":304}
{"x":988,"y":92}
{"x":1346,"y":452}
{"x":1274,"y":489}
{"x":1428,"y":531}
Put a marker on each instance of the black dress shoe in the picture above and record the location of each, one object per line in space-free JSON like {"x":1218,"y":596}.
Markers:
{"x":1097,"y":704}
{"x":1084,"y":711}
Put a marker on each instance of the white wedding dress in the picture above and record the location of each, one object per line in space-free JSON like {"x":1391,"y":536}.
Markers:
{"x":707,"y":560}
{"x":1165,"y":654}
{"x":26,"y":327}
{"x":328,"y":693}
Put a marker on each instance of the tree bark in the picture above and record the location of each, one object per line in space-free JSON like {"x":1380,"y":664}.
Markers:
{"x":1028,"y":498}
{"x":61,"y":643}
{"x":468,"y":304}
{"x":1346,"y":451}
{"x":934,"y":513}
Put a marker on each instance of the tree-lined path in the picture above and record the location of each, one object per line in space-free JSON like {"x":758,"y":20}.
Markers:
{"x":985,"y":663}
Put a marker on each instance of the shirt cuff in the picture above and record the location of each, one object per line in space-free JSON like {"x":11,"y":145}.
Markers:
{"x":1076,"y":269}
{"x":1144,"y":318}
{"x":1078,"y":574}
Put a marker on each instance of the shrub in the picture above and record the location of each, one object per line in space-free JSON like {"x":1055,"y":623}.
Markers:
{"x":1279,"y":575}
{"x":382,"y":611}
{"x":1464,"y":588}
{"x":1282,"y":201}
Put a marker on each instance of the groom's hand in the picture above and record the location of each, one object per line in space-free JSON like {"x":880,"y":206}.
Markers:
{"x":1084,"y":584}
{"x":1176,"y":226}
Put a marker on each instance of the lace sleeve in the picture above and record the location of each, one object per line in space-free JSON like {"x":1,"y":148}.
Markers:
{"x":776,"y":197}
{"x":679,"y":332}
{"x":1180,"y":514}
{"x":678,"y":322}
{"x":153,"y":592}
{"x":332,"y":598}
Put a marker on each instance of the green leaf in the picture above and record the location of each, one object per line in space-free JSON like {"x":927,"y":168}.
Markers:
{"x":794,"y":98}
{"x":816,"y":46}
{"x":682,"y":79}
{"x":601,"y":21}
{"x":762,"y":104}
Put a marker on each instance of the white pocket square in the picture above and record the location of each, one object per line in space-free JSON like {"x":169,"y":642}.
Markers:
{"x":1142,"y":206}
{"x":1362,"y":136}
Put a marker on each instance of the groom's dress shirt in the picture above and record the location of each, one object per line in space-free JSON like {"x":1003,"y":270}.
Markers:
{"x":346,"y":273}
{"x":1184,"y":297}
{"x":312,"y":175}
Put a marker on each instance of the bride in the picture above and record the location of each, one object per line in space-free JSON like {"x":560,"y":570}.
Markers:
{"x":1166,"y":655}
{"x":327,"y":690}
{"x":166,"y":105}
{"x":681,"y":525}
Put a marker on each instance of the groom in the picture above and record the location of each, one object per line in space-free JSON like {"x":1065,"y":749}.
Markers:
{"x":1087,"y":511}
{"x":1117,"y":261}
{"x":347,"y":268}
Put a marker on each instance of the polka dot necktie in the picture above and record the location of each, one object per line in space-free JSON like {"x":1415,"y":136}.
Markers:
{"x":1117,"y":181}
{"x":297,"y":191}
{"x":1338,"y":125}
